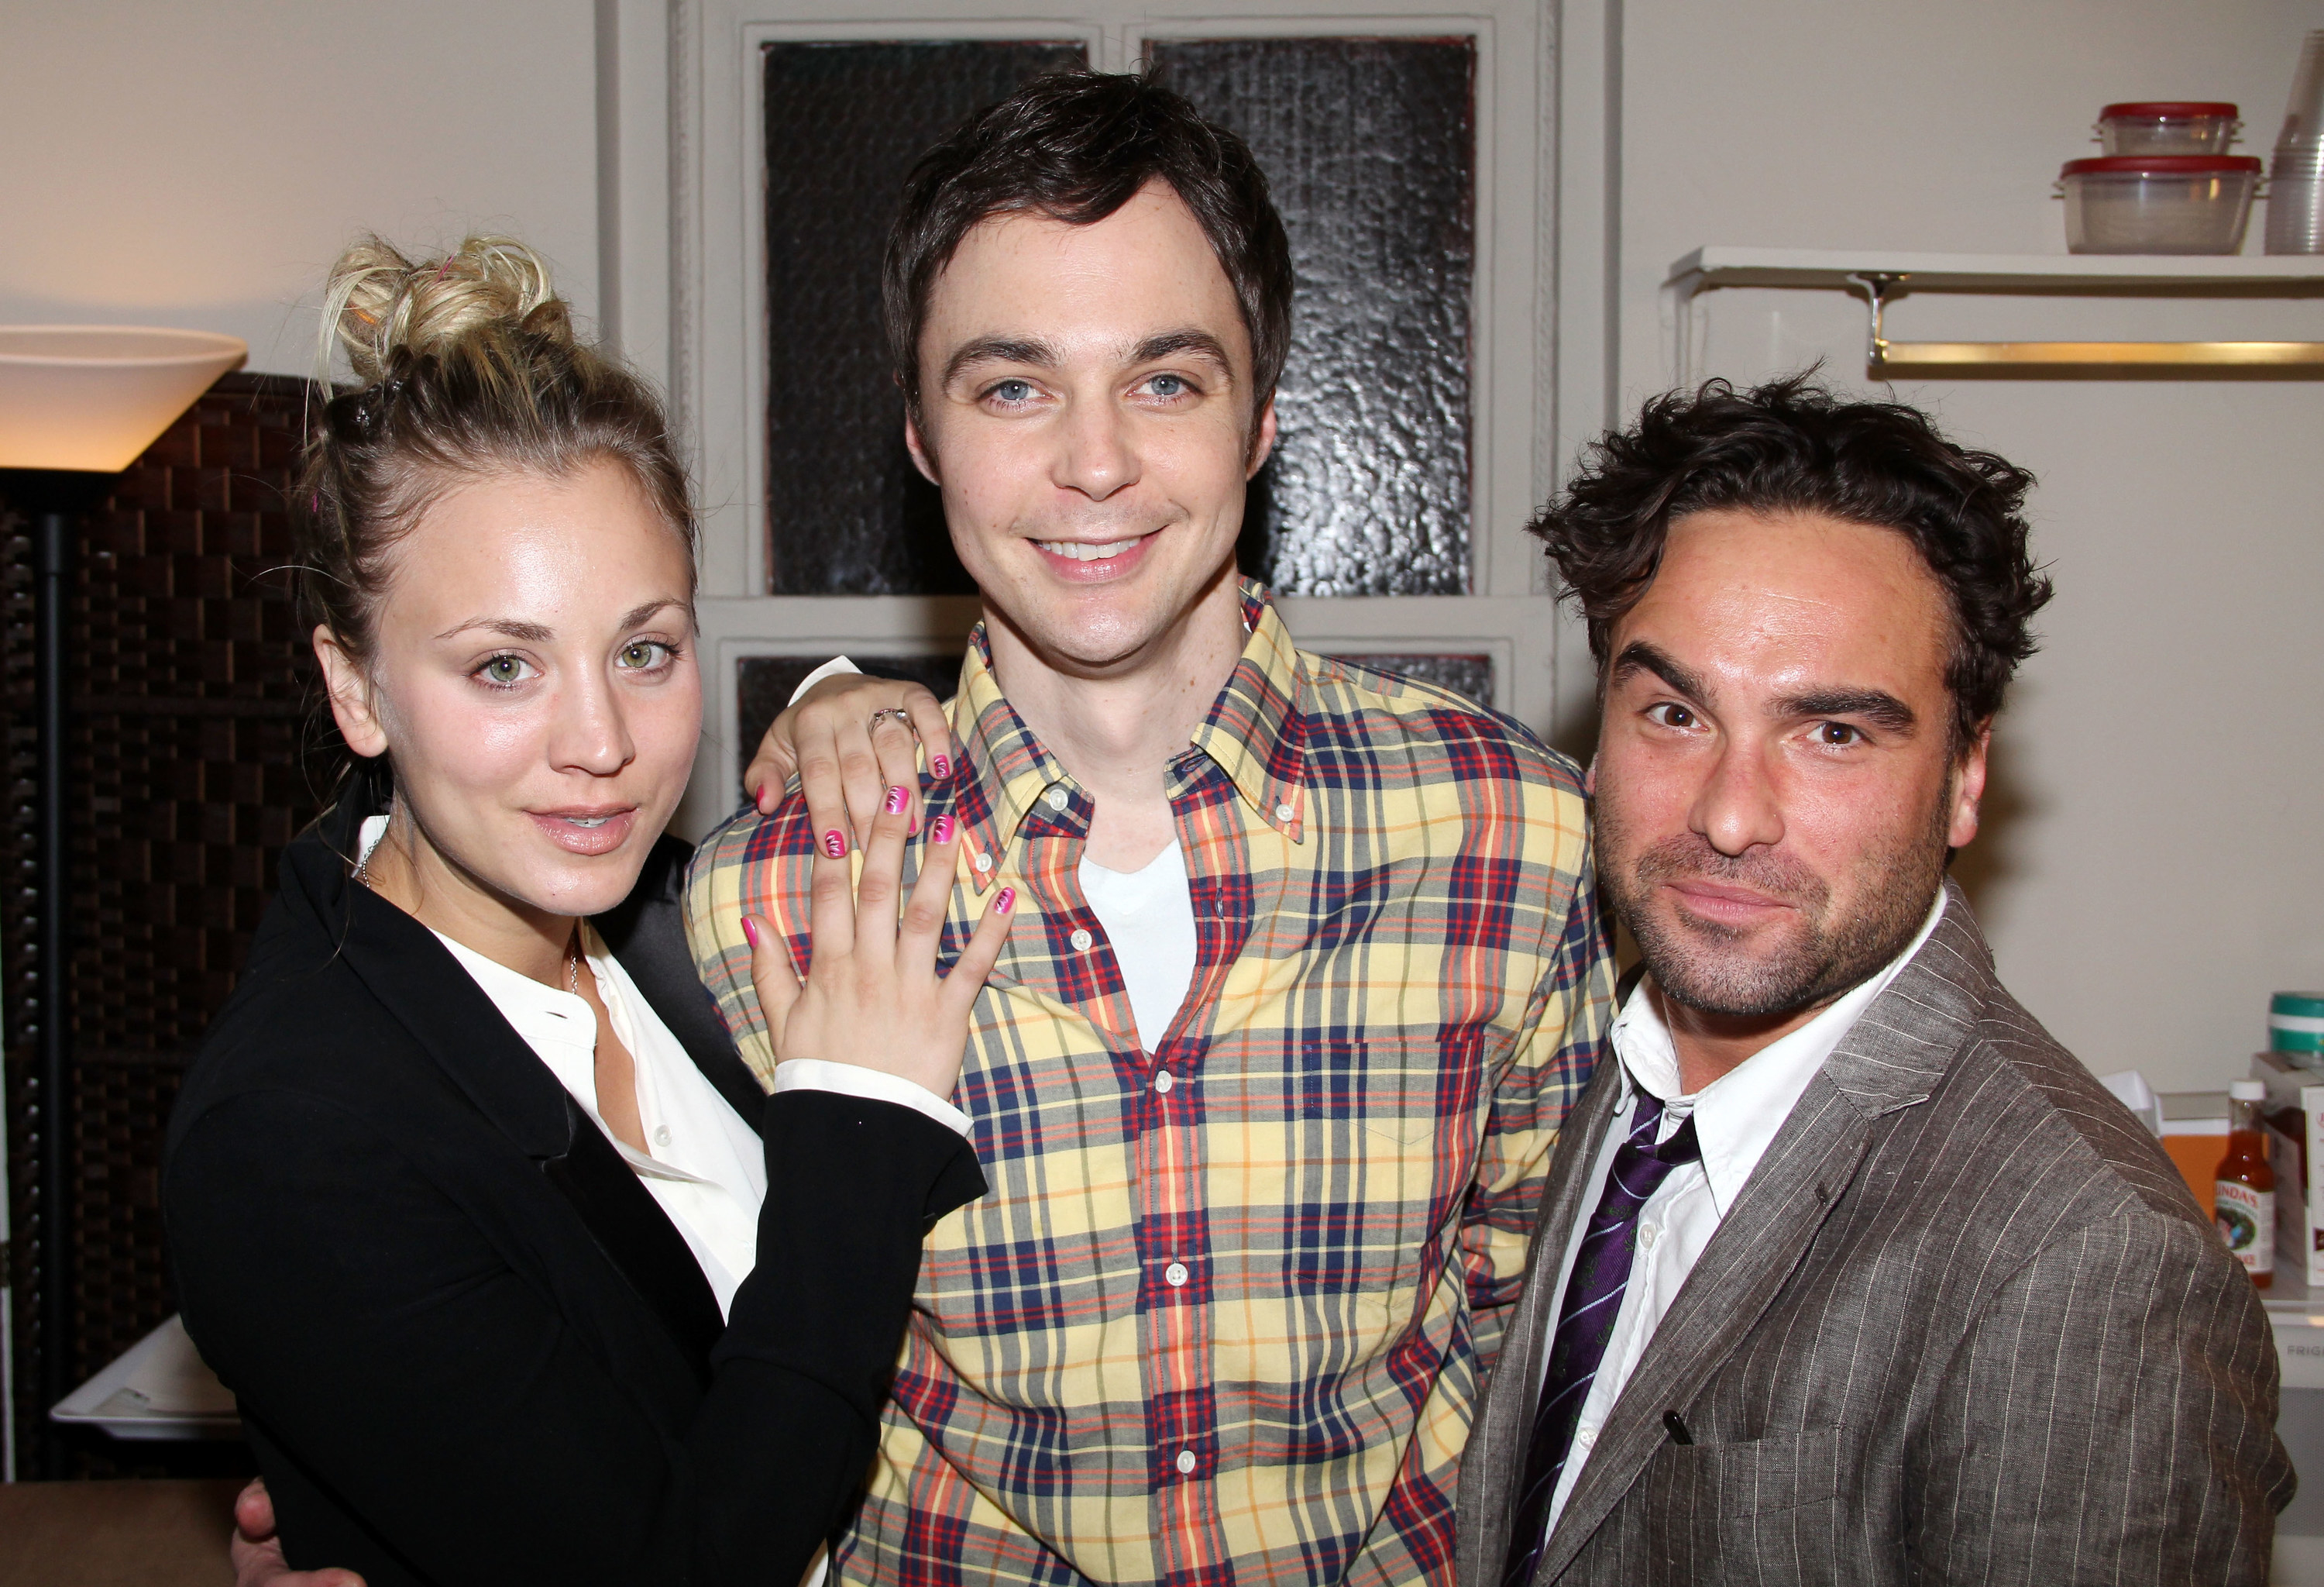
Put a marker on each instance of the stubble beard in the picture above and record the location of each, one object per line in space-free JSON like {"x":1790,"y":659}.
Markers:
{"x":1707,"y":966}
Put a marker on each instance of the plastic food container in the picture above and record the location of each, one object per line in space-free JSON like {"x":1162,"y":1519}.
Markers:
{"x":2168,"y":126}
{"x":2158,"y":203}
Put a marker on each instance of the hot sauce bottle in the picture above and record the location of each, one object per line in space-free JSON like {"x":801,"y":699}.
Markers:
{"x":2243,"y":1196}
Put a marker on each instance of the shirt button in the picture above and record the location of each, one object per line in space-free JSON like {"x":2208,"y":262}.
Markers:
{"x":1647,"y":1236}
{"x":983,"y":862}
{"x":1186,"y":1463}
{"x":661,"y":1136}
{"x":1163,"y":1082}
{"x":1175,"y":1275}
{"x":1058,"y":798}
{"x":1586,"y":1437}
{"x":1081,"y":941}
{"x":1284,"y":812}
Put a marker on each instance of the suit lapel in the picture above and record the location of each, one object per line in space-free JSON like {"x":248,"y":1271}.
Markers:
{"x":1492,"y":1468}
{"x":428,"y":992}
{"x":1893,"y":1058}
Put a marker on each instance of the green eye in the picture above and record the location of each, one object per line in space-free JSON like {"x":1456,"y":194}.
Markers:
{"x":503,"y":670}
{"x":643,"y":653}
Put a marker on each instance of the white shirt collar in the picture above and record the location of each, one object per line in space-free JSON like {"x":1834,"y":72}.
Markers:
{"x":1737,"y":1116}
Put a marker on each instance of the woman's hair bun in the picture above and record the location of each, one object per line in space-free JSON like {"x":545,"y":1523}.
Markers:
{"x":377,"y":303}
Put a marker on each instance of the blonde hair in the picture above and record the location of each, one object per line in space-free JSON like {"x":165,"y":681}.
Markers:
{"x":466,"y":366}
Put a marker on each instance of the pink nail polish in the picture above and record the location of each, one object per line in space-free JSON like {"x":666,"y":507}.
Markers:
{"x":941,"y":832}
{"x":834,"y":844}
{"x":1006,"y":900}
{"x":897,"y":799}
{"x":751,"y":931}
{"x":941,"y":765}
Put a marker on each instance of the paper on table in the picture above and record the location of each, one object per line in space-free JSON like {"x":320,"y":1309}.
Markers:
{"x":157,"y":1388}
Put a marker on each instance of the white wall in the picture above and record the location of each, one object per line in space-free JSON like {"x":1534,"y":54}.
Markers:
{"x":2153,"y":864}
{"x":200,"y":162}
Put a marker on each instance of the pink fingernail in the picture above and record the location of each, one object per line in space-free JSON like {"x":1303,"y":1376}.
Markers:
{"x":941,"y":765}
{"x":1005,"y":900}
{"x":834,"y":844}
{"x":897,"y":799}
{"x":751,"y":931}
{"x":942,"y":830}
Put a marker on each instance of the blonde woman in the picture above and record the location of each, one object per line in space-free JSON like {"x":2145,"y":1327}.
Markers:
{"x":516,"y":1273}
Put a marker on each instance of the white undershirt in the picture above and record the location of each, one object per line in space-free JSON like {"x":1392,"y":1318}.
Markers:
{"x":1149,"y":916}
{"x":1737,"y":1117}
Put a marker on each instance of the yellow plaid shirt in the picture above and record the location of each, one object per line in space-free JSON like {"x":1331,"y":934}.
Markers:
{"x":1223,"y":1316}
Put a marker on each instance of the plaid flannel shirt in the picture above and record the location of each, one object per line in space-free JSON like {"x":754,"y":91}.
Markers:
{"x":1225,"y":1313}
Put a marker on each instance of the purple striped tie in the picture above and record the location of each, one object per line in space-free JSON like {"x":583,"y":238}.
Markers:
{"x":1593,"y":1299}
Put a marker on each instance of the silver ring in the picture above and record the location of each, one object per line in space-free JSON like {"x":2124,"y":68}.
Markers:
{"x":891,"y":711}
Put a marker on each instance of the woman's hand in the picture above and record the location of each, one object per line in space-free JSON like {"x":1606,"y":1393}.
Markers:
{"x":873,"y":996}
{"x":850,"y":739}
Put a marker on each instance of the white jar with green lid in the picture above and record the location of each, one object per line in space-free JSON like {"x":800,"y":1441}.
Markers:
{"x":2295,"y":1023}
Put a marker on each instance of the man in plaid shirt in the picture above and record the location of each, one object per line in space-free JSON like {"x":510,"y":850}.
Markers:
{"x":1306,"y":971}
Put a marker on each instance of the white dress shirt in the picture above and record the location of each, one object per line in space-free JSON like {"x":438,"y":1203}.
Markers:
{"x":708,"y":1167}
{"x":1736,"y":1118}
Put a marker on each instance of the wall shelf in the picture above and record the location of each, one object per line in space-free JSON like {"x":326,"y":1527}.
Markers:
{"x":1880,"y":277}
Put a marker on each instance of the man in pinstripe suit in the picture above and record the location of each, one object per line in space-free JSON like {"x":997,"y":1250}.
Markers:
{"x":1845,"y":1272}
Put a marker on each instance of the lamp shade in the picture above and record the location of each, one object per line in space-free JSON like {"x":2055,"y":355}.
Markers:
{"x":92,"y":397}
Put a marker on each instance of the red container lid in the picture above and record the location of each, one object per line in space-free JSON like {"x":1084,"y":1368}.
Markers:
{"x":2161,"y":165}
{"x":2167,"y":110}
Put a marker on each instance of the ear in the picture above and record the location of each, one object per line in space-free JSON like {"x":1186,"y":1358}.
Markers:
{"x":1262,"y":437}
{"x":1590,"y":778}
{"x":1969,"y":788}
{"x":924,"y":456}
{"x":350,"y":692}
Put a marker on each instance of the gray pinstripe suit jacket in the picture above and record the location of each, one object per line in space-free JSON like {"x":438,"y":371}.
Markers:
{"x":1963,"y":1323}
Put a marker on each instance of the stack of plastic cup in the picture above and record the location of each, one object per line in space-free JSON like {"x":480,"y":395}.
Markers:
{"x":2295,"y":182}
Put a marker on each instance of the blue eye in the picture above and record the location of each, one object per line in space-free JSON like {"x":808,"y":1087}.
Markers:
{"x":1014,"y":391}
{"x":1169,"y":385}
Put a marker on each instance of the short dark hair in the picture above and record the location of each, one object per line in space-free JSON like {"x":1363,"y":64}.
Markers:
{"x":1790,"y":446}
{"x":1077,"y":146}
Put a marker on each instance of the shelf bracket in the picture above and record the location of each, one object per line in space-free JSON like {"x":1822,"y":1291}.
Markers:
{"x":1881,"y":355}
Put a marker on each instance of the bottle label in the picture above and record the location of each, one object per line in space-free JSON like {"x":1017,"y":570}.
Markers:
{"x":2247,"y":1220}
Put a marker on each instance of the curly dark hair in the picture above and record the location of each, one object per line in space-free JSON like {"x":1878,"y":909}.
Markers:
{"x":1077,"y":146}
{"x":1791,"y":446}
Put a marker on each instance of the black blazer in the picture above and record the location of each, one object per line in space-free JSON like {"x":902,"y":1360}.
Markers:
{"x":467,"y":1344}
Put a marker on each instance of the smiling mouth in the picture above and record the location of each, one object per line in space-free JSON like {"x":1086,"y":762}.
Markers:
{"x":1080,"y":551}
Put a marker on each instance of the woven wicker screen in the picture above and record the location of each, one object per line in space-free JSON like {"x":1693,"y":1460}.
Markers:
{"x":189,"y":770}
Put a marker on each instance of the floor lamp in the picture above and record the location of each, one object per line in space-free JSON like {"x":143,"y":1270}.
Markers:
{"x":78,"y":404}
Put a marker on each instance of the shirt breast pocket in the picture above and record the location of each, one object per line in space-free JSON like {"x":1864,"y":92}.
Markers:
{"x":1410,"y":1088}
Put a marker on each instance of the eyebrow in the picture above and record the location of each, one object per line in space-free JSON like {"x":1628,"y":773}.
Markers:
{"x":536,"y":633}
{"x":1876,"y":706}
{"x":1170,"y":344}
{"x":1638,"y":656}
{"x":999,"y":350}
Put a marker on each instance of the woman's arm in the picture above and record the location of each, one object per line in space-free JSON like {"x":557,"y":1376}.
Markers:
{"x":374,"y":1330}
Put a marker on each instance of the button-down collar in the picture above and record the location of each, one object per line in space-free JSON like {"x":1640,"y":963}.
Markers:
{"x":1253,"y":733}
